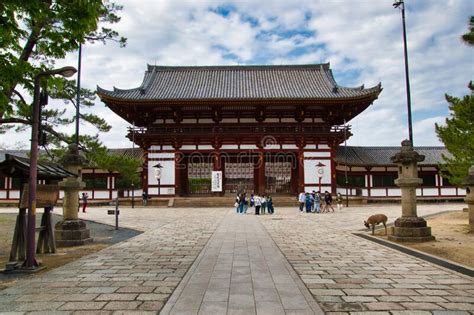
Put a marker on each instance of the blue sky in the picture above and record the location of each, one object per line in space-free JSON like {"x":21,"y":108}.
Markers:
{"x":362,"y":40}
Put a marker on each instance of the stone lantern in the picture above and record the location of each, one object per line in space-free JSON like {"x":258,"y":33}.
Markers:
{"x":469,"y":183}
{"x":72,"y":231}
{"x":409,"y":227}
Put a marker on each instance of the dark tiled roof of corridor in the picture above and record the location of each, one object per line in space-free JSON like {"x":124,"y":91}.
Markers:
{"x":18,"y":164}
{"x":373,"y":156}
{"x":240,"y":83}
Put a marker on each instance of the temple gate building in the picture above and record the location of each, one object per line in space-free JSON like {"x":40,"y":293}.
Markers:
{"x":268,"y":129}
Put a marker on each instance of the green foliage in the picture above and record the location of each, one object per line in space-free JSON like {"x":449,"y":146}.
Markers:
{"x":469,"y":37}
{"x":458,"y":136}
{"x":34,"y":34}
{"x":127,"y":166}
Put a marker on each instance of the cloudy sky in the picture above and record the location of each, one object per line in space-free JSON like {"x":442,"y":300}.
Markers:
{"x":362,"y":39}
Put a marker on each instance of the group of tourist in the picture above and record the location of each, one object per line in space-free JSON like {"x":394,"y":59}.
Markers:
{"x":261,"y":204}
{"x":315,"y":202}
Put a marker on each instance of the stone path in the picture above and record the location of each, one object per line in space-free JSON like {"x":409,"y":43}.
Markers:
{"x":241,"y":272}
{"x":350,"y":275}
{"x":136,"y":275}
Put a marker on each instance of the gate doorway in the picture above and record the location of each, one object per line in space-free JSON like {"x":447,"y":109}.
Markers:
{"x":239,"y":177}
{"x":199,"y":178}
{"x":278,"y":177}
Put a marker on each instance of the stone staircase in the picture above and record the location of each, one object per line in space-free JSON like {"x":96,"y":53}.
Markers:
{"x":227,"y":201}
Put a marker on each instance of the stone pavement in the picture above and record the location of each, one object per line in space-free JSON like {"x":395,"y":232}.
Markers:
{"x":241,"y":272}
{"x":136,"y":275}
{"x":344,"y":273}
{"x":350,"y":275}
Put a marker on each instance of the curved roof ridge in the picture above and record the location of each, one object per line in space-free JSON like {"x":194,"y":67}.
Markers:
{"x":324,"y":66}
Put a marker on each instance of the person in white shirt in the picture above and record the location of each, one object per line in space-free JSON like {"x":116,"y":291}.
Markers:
{"x":301,"y":200}
{"x":258,"y":204}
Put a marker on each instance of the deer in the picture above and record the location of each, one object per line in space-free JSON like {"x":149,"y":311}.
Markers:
{"x":374,"y":220}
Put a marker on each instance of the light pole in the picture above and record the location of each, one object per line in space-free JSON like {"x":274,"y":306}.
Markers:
{"x":30,"y":262}
{"x":78,"y":93}
{"x":158,"y":168}
{"x":401,"y":4}
{"x":345,"y":164}
{"x":320,"y":172}
{"x":133,"y":154}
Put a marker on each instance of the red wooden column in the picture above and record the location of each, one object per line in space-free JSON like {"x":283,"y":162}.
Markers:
{"x":178,"y":169}
{"x":185,"y":177}
{"x":300,"y":169}
{"x":145,"y":149}
{"x":260,"y":189}
{"x":333,"y":170}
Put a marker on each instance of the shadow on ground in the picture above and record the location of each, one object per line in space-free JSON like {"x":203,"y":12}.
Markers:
{"x":104,"y":236}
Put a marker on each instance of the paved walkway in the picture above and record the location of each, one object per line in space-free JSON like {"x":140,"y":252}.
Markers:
{"x":242,"y":270}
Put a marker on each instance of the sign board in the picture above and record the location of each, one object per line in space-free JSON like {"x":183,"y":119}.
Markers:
{"x":46,"y":196}
{"x":112,"y":212}
{"x":216,"y":181}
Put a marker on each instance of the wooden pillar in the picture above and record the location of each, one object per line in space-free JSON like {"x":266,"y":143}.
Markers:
{"x":177,"y":173}
{"x":300,"y":169}
{"x":145,"y":168}
{"x":185,"y":176}
{"x":294,"y":174}
{"x":261,"y":172}
{"x":333,"y":170}
{"x":369,"y":180}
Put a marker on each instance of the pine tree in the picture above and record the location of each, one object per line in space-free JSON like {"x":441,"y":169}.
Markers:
{"x":458,"y":133}
{"x":458,"y":137}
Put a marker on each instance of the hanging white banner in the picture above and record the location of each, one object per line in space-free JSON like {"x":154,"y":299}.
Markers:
{"x":216,"y":182}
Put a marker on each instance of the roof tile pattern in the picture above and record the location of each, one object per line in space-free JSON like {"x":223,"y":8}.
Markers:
{"x":380,"y":156}
{"x":239,"y":83}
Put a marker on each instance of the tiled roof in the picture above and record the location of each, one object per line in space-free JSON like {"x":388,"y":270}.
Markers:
{"x":380,"y":156}
{"x":239,"y":83}
{"x":46,"y":170}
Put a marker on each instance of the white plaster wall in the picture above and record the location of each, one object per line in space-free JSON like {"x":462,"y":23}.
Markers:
{"x":310,"y":169}
{"x":100,"y":195}
{"x":310,"y":146}
{"x":167,"y":173}
{"x":323,"y":146}
{"x":3,"y":194}
{"x":159,"y":156}
{"x":394,"y":192}
{"x":163,"y":191}
{"x":289,"y":146}
{"x":318,"y":154}
{"x":316,"y":188}
{"x":155,"y":147}
{"x":377,"y":192}
{"x":229,"y":147}
{"x":205,"y":147}
{"x":430,"y":192}
{"x":206,"y":121}
{"x":189,"y":121}
{"x":188,"y":147}
{"x":14,"y":194}
{"x":168,"y":148}
{"x":230,"y":120}
{"x":448,"y":191}
{"x":248,"y":147}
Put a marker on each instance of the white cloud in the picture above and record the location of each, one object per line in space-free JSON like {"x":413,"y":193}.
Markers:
{"x":362,"y":40}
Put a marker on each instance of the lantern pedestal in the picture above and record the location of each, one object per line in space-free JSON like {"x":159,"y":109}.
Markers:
{"x":72,"y":231}
{"x":409,"y":227}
